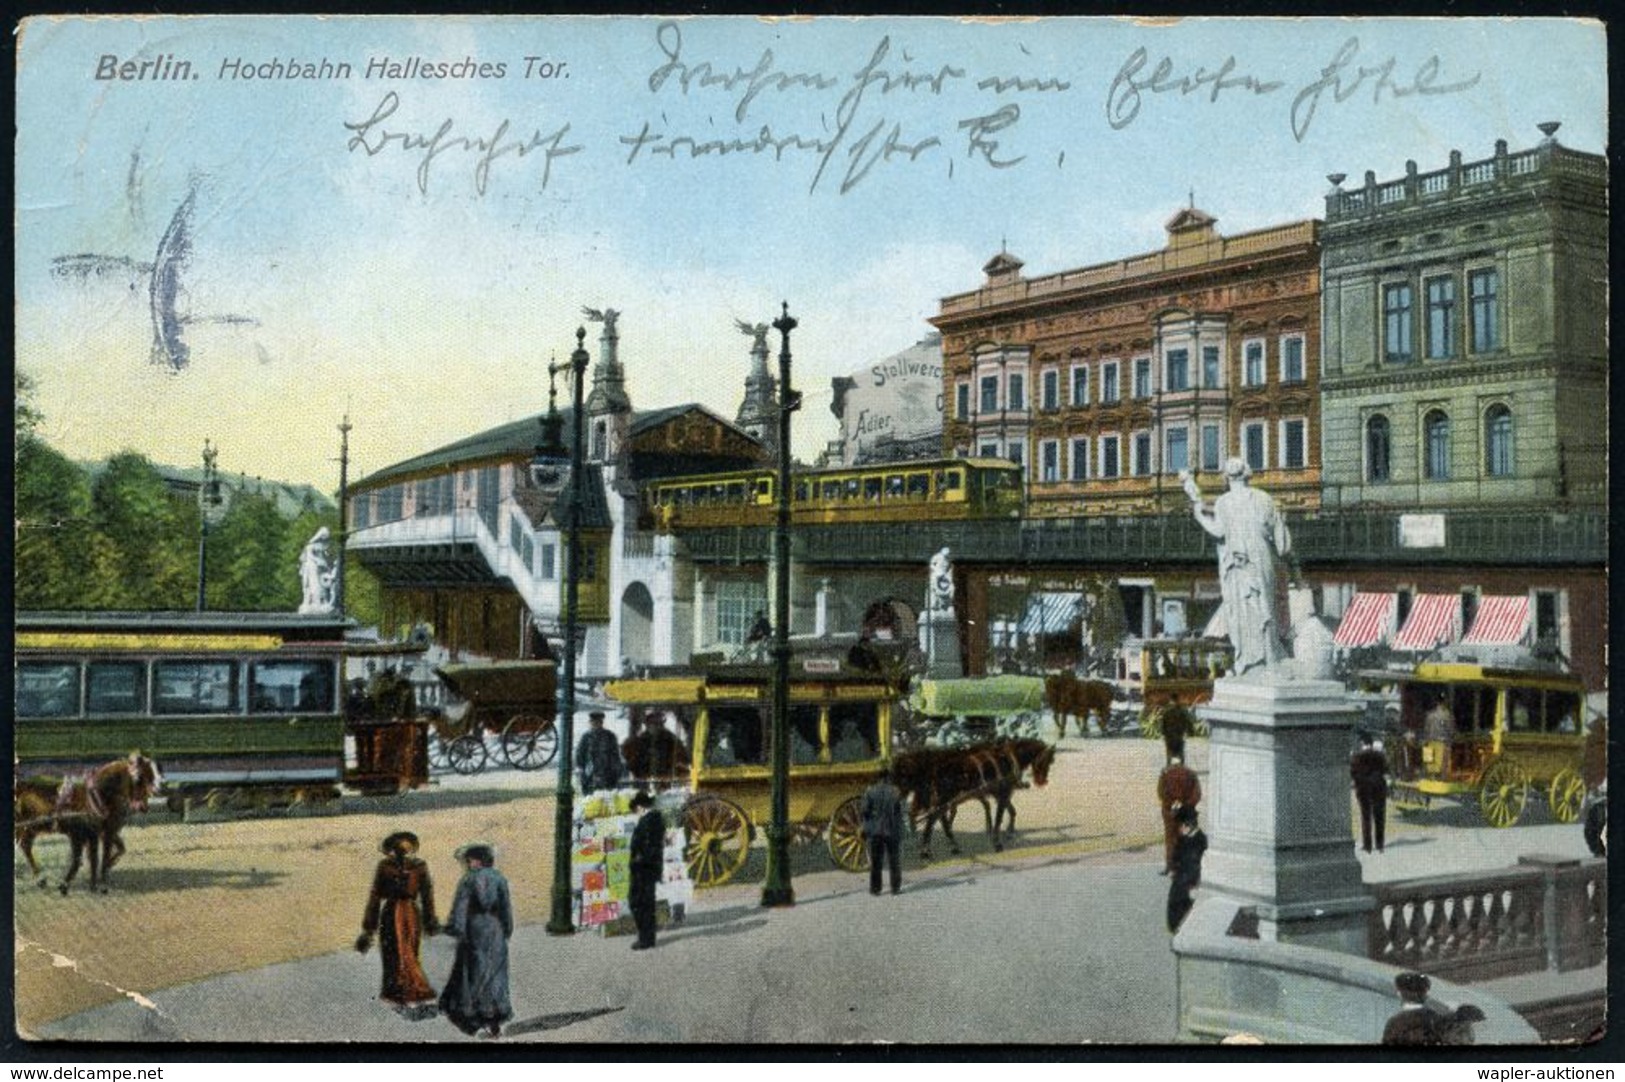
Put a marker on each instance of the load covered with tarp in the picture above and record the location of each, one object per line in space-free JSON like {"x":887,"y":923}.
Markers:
{"x":982,"y":696}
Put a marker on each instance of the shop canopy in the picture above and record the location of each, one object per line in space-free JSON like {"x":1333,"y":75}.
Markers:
{"x":1368,"y":620}
{"x":1501,"y":621}
{"x":1434,"y":618}
{"x":1048,"y":614}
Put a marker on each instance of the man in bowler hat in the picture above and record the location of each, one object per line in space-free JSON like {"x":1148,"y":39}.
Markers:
{"x":648,"y":864}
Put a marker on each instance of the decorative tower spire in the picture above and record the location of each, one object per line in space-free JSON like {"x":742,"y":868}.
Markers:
{"x":759,"y":410}
{"x":608,"y":394}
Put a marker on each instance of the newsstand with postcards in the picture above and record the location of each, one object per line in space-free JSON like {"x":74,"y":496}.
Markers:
{"x":601,"y":862}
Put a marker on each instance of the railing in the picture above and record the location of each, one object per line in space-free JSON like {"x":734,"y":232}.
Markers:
{"x":1378,"y":197}
{"x":636,"y":544}
{"x":1544,"y":914}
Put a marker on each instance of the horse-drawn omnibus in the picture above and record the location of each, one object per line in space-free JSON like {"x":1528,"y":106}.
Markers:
{"x":840,"y":735}
{"x":938,"y":489}
{"x":1499,"y":733}
{"x":240,"y":710}
{"x":1179,"y":672}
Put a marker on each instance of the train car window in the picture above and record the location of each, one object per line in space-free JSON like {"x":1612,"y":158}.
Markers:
{"x":764,"y":489}
{"x":116,"y":687}
{"x":803,"y":733}
{"x":952,"y":481}
{"x":735,"y":737}
{"x":919,"y":486}
{"x":285,"y":687}
{"x":47,"y":689}
{"x":854,"y":732}
{"x":832,"y":490}
{"x":194,"y":687}
{"x":871,"y":488}
{"x":736,"y":492}
{"x":680,"y":497}
{"x":850,"y":489}
{"x":1563,"y":713}
{"x":894,"y":486}
{"x":801,"y":491}
{"x":1523,"y":710}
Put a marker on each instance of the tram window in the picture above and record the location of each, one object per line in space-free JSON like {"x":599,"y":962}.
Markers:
{"x":736,"y":492}
{"x":871,"y":488}
{"x":832,"y":490}
{"x":803,"y":734}
{"x":47,"y":689}
{"x":735,"y":737}
{"x":894,"y":485}
{"x":115,"y":687}
{"x":952,"y":481}
{"x":280,"y":687}
{"x":1563,"y":713}
{"x":679,"y":496}
{"x":854,"y":731}
{"x":801,"y":491}
{"x":1464,"y":708}
{"x":194,"y":687}
{"x":919,"y":486}
{"x":851,"y":488}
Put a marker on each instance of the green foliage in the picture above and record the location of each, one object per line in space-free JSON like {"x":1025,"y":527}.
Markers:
{"x":249,"y":570}
{"x":153,"y":532}
{"x":58,"y":554}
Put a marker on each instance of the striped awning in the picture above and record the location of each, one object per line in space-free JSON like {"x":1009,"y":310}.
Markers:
{"x":1048,"y":614}
{"x":1368,"y":620}
{"x":1434,"y":618}
{"x":1501,"y":621}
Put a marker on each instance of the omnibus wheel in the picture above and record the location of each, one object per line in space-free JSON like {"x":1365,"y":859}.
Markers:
{"x":718,"y":840}
{"x":1502,"y":793}
{"x":529,"y":742}
{"x":846,"y":845}
{"x":467,"y":754}
{"x":1566,"y":795}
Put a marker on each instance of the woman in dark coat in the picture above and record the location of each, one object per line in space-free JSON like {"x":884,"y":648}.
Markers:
{"x":476,"y":995}
{"x":399,"y":910}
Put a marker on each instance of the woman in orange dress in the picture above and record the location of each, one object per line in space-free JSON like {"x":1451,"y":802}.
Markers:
{"x":399,"y":910}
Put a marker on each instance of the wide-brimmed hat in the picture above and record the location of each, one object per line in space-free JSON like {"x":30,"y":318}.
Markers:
{"x":484,"y":852}
{"x":389,"y":844}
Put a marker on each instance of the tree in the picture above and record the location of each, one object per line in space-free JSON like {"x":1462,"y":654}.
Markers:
{"x":60,"y":559}
{"x":248,"y":568}
{"x":153,"y":533}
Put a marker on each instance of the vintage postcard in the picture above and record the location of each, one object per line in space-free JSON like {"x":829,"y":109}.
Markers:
{"x":676,"y":531}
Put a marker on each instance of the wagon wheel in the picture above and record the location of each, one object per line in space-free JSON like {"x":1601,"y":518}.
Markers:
{"x":438,"y":757}
{"x":1151,"y":722}
{"x":718,"y":840}
{"x":467,"y":754}
{"x":1566,"y":794}
{"x":846,"y":845}
{"x":1502,"y":793}
{"x":529,"y":742}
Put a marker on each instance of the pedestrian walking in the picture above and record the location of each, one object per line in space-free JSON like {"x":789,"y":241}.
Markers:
{"x":1368,"y":770}
{"x":598,"y":756}
{"x":1187,"y":873}
{"x":476,"y":995}
{"x":400,"y":909}
{"x":883,"y":830}
{"x":1177,"y":723}
{"x":1177,"y":787}
{"x":648,"y":863}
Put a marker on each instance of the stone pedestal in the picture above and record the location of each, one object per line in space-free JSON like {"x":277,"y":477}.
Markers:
{"x":939,"y":641}
{"x":1277,"y":810}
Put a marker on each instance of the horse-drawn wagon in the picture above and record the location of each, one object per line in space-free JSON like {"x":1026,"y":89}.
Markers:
{"x":514,"y":701}
{"x":975,"y":709}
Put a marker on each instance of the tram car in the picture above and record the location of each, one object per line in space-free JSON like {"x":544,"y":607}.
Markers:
{"x":840,"y":734}
{"x":1500,"y":734}
{"x":925,"y":491}
{"x":241,"y":711}
{"x":1179,"y":672}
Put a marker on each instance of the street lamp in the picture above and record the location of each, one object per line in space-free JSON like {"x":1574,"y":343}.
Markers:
{"x":560,"y":922}
{"x":210,"y":506}
{"x":777,"y":891}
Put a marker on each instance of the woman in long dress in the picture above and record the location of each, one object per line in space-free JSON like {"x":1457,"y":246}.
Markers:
{"x":399,"y":910}
{"x":476,"y":994}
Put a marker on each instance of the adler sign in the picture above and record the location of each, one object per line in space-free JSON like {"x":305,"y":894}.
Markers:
{"x":895,"y":399}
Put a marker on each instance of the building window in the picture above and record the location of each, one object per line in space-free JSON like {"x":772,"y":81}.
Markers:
{"x":600,"y":440}
{"x":990,"y":394}
{"x":1377,"y":449}
{"x":1017,"y":391}
{"x":962,"y":401}
{"x":1140,"y":451}
{"x":1110,"y":387}
{"x":1252,"y":363}
{"x":737,"y":606}
{"x":360,"y":511}
{"x":1109,"y":464}
{"x":1178,"y":456}
{"x":1142,"y":377}
{"x":988,"y":450}
{"x":548,"y":554}
{"x":1294,"y":444}
{"x":1080,"y":385}
{"x":1210,"y":447}
{"x":1254,"y":445}
{"x":1396,"y":323}
{"x":1547,"y":626}
{"x":1016,"y":452}
{"x":1211,"y":368}
{"x":1498,"y":441}
{"x":1080,"y":460}
{"x":1052,"y":389}
{"x":1441,"y":294}
{"x":1292,"y":359}
{"x":1179,"y":370}
{"x":1486,"y":315}
{"x":1049,"y":461}
{"x":1436,"y":446}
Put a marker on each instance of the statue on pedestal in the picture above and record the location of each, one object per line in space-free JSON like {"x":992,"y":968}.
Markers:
{"x":1252,"y":536}
{"x":939,"y":590}
{"x":317,"y":573}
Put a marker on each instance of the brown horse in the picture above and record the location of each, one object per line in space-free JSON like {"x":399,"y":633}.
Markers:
{"x":90,"y":810}
{"x":938,"y":780}
{"x":1068,"y":696}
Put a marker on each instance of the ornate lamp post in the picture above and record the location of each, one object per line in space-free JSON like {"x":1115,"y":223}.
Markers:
{"x":777,"y":891}
{"x":344,"y":513}
{"x":559,"y":923}
{"x":211,"y":506}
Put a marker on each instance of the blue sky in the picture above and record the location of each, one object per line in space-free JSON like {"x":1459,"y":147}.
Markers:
{"x":428,"y":307}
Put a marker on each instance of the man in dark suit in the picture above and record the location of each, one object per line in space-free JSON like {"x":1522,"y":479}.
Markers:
{"x":655,"y":756}
{"x":648,"y":864}
{"x":1416,"y":1022}
{"x":1368,"y":769}
{"x":1187,"y":873}
{"x":883,"y":830}
{"x":598,"y":756}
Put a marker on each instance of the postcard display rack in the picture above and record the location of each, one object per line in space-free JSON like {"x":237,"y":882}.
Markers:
{"x":601,"y":864}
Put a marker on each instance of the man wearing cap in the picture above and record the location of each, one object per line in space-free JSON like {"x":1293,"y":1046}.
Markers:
{"x":1187,"y":873}
{"x":648,"y":864}
{"x":1368,"y":769}
{"x":1416,"y":1022}
{"x":883,"y":830}
{"x":399,"y":910}
{"x":598,"y":756}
